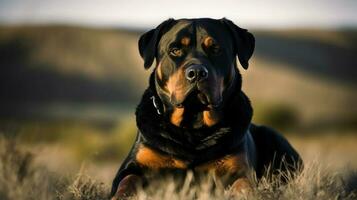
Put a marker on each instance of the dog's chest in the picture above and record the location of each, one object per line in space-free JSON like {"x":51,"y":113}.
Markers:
{"x":155,"y":161}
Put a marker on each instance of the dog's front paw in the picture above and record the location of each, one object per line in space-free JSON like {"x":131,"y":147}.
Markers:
{"x":127,"y":187}
{"x":241,"y":187}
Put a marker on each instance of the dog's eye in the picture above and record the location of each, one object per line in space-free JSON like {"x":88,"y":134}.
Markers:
{"x":176,"y":52}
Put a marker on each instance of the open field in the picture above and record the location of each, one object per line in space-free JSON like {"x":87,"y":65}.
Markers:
{"x":25,"y":175}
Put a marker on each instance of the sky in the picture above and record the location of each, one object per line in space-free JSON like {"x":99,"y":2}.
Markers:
{"x":149,"y":13}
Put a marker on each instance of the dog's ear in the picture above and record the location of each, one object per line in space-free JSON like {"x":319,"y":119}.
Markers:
{"x":148,"y":42}
{"x":244,"y":42}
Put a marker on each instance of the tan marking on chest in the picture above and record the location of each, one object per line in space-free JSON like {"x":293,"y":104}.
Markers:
{"x":177,"y":116}
{"x":210,"y":118}
{"x":227,"y":165}
{"x":152,"y":159}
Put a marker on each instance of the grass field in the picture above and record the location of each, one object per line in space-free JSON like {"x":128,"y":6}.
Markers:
{"x":22,"y":176}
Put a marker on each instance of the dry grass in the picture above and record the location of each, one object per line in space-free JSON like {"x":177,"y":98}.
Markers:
{"x":20,"y":178}
{"x":312,"y":183}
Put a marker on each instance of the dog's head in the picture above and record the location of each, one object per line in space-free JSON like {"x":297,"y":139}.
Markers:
{"x":196,"y":67}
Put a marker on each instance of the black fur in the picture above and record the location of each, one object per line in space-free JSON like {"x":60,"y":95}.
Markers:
{"x":219,"y":140}
{"x":149,"y":41}
{"x":244,"y":40}
{"x":232,"y":134}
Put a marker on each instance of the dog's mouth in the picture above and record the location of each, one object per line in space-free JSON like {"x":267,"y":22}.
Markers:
{"x":195,"y":100}
{"x":198,"y":110}
{"x":196,"y":97}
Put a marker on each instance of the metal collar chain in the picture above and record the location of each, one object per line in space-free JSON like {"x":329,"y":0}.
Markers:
{"x":155,"y":102}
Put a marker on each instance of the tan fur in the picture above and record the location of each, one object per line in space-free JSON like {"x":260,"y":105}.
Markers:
{"x":227,"y":165}
{"x":210,"y":118}
{"x":159,"y":72}
{"x":177,"y":116}
{"x":175,"y":84}
{"x":208,"y":41}
{"x":152,"y":159}
{"x":241,"y":186}
{"x":185,"y":41}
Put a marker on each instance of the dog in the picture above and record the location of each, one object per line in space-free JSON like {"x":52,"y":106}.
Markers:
{"x":194,"y":116}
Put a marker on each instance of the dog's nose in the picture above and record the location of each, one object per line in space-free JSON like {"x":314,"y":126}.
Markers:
{"x":196,"y":73}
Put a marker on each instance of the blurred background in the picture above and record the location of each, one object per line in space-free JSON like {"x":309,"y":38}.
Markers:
{"x":71,"y":75}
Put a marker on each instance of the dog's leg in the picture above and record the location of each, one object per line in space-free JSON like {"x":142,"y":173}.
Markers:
{"x":127,"y":187}
{"x":241,"y":186}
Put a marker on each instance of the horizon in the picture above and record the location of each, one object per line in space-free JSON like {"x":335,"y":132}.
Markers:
{"x":141,"y":28}
{"x":328,"y":14}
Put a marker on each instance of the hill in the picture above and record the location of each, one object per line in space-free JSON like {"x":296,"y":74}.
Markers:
{"x":58,"y":63}
{"x":311,"y":72}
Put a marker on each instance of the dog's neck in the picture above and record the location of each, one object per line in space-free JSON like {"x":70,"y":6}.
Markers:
{"x":190,"y":144}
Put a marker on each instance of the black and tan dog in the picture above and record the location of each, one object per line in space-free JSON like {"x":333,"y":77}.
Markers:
{"x":194,"y":115}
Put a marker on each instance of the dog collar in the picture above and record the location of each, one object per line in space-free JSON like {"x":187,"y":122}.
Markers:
{"x":156,"y":104}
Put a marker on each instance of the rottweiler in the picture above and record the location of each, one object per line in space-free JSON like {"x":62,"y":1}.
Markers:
{"x":194,"y":116}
